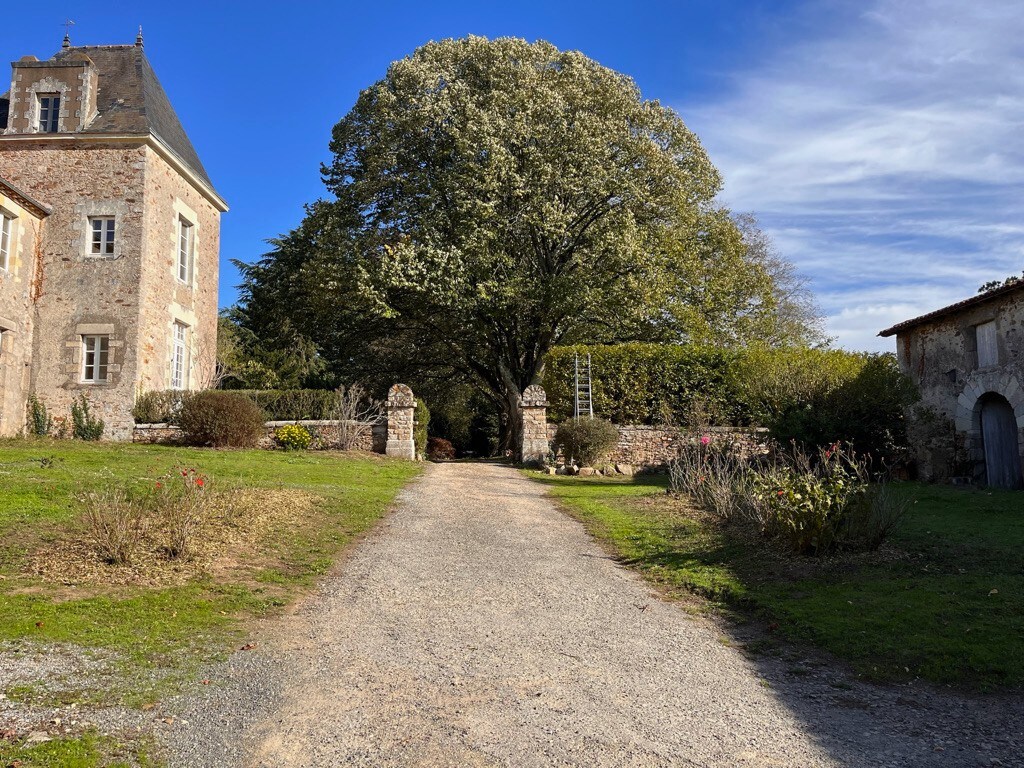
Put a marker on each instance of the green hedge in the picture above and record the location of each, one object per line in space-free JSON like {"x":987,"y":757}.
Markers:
{"x":647,"y":383}
{"x":813,"y":396}
{"x":277,"y":404}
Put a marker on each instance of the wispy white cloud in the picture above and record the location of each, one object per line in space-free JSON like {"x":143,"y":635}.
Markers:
{"x":886,"y":156}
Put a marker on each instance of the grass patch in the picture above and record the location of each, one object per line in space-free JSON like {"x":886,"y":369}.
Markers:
{"x":943,"y":601}
{"x":157,"y":632}
{"x":87,"y":750}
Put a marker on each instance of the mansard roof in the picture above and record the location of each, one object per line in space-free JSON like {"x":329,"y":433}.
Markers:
{"x":129,"y":99}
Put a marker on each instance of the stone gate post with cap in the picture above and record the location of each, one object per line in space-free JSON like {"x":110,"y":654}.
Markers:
{"x":533,"y":425}
{"x":401,"y":409}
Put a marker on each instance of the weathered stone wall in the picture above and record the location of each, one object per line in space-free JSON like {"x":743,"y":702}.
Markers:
{"x":941,"y":358}
{"x":16,"y":315}
{"x":325,"y":434}
{"x":647,"y":447}
{"x":164,"y":298}
{"x":79,"y":293}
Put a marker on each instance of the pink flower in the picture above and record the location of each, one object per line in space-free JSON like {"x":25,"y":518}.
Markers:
{"x":705,"y":440}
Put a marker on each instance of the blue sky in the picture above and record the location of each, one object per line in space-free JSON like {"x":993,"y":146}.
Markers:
{"x":879,"y":142}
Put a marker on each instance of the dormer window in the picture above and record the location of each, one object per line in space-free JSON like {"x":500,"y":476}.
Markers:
{"x":49,"y":112}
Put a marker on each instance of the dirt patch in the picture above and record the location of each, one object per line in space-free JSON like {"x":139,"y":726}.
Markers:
{"x":231,"y":538}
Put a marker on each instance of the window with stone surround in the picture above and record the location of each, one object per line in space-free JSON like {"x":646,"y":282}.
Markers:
{"x":95,"y":357}
{"x":101,"y":234}
{"x":6,"y":239}
{"x":179,"y":356}
{"x":49,"y":112}
{"x":186,"y":249}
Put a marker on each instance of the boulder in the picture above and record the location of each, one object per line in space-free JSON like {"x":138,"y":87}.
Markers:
{"x":624,"y":469}
{"x":587,"y":472}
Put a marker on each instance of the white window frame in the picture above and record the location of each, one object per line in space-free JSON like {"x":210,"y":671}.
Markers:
{"x":95,"y":358}
{"x":186,"y":250}
{"x":51,"y":122}
{"x":102,"y":236}
{"x":6,"y":240}
{"x":179,"y":356}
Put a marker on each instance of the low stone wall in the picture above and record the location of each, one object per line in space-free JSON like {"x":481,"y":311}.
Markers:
{"x":645,"y":447}
{"x":325,"y":434}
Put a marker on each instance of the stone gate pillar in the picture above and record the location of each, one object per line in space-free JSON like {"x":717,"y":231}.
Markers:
{"x":401,"y":407}
{"x":533,"y":425}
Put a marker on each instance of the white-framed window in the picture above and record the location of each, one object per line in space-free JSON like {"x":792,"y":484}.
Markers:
{"x":179,"y":356}
{"x":186,"y":249}
{"x":49,"y":112}
{"x":988,"y":350}
{"x":95,"y":356}
{"x":101,"y":235}
{"x":6,"y":239}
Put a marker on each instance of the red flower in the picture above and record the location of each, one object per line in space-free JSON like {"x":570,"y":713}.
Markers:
{"x":199,"y":482}
{"x":184,"y":473}
{"x":780,"y":493}
{"x":159,"y":485}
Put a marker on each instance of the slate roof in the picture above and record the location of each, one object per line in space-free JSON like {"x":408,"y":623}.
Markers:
{"x":981,"y":298}
{"x":130,"y":100}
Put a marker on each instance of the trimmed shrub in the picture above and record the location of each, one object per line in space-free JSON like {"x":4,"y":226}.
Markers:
{"x":278,"y":404}
{"x":419,"y":431}
{"x":293,"y":437}
{"x":158,"y":407}
{"x":439,"y":449}
{"x":221,"y":419}
{"x":586,"y":440}
{"x":84,"y":426}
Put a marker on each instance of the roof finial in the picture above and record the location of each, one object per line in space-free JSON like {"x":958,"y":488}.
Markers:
{"x":68,"y":24}
{"x":138,"y":38}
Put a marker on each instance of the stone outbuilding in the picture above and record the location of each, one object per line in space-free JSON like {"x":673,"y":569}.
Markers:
{"x":109,"y":239}
{"x":967,"y":360}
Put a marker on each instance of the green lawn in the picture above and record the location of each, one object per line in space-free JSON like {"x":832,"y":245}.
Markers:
{"x":943,"y":601}
{"x":159,"y":635}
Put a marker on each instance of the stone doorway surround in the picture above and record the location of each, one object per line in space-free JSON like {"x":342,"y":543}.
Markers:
{"x":968,"y":409}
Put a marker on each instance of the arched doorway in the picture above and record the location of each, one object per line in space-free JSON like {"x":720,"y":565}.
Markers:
{"x":999,"y":437}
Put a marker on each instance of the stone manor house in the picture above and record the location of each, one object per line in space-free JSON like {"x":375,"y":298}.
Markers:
{"x":109,"y":239}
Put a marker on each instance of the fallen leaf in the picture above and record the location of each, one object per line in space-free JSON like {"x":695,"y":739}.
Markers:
{"x":248,"y":647}
{"x":993,"y":592}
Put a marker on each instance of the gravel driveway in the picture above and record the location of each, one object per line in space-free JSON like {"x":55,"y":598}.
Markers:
{"x":479,"y":626}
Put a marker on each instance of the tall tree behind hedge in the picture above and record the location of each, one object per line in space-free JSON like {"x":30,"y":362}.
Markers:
{"x":505,"y":192}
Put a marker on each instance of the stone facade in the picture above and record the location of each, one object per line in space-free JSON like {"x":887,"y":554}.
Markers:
{"x":118,"y":152}
{"x":22,"y":222}
{"x":967,"y":361}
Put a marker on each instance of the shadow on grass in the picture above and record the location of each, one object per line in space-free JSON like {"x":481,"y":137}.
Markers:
{"x":941,"y":605}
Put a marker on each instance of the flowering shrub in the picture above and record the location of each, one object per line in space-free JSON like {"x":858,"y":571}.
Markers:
{"x":293,"y":437}
{"x":167,"y":515}
{"x":179,"y":504}
{"x":813,"y":504}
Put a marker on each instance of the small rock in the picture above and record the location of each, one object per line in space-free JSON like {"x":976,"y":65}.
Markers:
{"x":37,"y":737}
{"x":624,"y":469}
{"x":552,"y":470}
{"x":587,"y":472}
